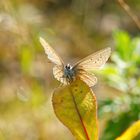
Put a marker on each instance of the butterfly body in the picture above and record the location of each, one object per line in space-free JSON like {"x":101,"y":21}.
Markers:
{"x":82,"y":69}
{"x":69,"y":73}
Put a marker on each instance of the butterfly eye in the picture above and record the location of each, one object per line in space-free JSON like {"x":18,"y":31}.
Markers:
{"x":67,"y":67}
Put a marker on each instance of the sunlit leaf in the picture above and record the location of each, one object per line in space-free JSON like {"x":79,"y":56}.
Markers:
{"x":131,"y":132}
{"x":75,"y":106}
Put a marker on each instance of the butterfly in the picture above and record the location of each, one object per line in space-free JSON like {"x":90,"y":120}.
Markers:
{"x":67,"y":73}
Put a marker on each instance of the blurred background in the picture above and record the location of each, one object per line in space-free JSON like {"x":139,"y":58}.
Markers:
{"x":75,"y":28}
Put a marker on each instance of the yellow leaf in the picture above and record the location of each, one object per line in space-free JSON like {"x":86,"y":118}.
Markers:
{"x":131,"y":132}
{"x":75,"y":106}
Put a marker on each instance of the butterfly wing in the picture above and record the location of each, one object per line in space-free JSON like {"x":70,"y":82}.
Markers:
{"x":91,"y":62}
{"x":94,"y":61}
{"x":88,"y":78}
{"x":51,"y":53}
{"x":54,"y":57}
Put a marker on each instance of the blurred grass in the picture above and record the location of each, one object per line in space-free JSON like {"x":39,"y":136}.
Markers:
{"x":26,"y":80}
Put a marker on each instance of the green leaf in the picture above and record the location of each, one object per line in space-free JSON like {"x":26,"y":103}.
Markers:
{"x":131,"y":132}
{"x":123,"y":41}
{"x":75,"y":106}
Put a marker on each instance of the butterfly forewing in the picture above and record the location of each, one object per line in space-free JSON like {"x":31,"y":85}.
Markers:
{"x":94,"y":61}
{"x":52,"y":55}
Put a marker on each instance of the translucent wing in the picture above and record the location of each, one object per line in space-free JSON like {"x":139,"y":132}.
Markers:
{"x":94,"y":61}
{"x":52,"y":55}
{"x":88,"y":78}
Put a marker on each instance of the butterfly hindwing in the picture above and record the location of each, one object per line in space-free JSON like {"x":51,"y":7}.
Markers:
{"x":88,"y":78}
{"x":59,"y":74}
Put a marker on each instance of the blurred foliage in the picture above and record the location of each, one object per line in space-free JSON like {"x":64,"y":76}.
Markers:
{"x":75,"y":29}
{"x":123,"y":75}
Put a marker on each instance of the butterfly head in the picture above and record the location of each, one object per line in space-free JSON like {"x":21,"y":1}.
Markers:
{"x":68,"y":67}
